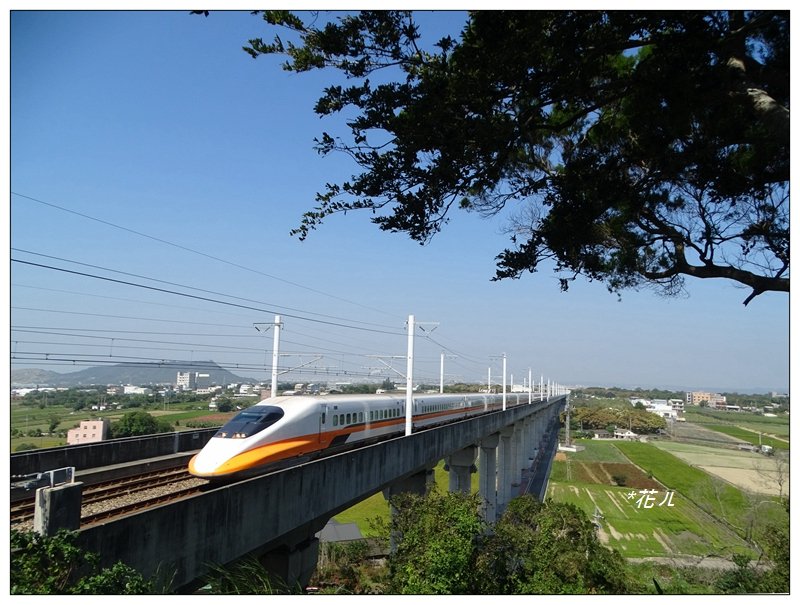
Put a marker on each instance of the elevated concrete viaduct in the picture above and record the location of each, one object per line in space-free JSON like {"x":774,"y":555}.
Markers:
{"x":276,"y":516}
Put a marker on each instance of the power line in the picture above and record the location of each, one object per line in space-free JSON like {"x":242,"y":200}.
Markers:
{"x":127,"y":300}
{"x":216,"y":258}
{"x":175,"y":321}
{"x":196,"y":297}
{"x":161,"y":281}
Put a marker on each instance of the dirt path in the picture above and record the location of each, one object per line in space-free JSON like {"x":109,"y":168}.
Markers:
{"x":688,"y":561}
{"x":770,"y":435}
{"x":590,"y":473}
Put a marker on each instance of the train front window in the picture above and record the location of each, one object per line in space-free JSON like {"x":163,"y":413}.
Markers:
{"x":250,"y":421}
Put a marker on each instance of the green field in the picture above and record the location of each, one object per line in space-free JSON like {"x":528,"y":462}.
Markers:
{"x":649,"y":527}
{"x":642,"y":527}
{"x":748,"y":436}
{"x":376,"y":506}
{"x":32,"y":418}
{"x":778,"y":426}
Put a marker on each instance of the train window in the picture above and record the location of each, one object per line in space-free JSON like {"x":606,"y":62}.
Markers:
{"x":323,"y":417}
{"x":348,"y":419}
{"x":361,"y":416}
{"x":341,"y":419}
{"x":251,"y":421}
{"x":335,"y":420}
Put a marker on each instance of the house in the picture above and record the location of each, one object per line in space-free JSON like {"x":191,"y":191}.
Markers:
{"x":625,"y":434}
{"x":89,"y":431}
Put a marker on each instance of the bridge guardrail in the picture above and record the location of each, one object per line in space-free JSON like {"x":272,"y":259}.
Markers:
{"x":108,"y":452}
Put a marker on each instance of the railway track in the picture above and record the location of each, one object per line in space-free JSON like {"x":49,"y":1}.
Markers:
{"x":106,"y":500}
{"x":103,"y":501}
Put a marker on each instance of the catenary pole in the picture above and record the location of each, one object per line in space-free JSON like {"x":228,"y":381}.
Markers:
{"x":275,"y":347}
{"x":504,"y":382}
{"x":409,"y":372}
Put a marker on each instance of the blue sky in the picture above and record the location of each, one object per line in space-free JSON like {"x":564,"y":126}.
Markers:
{"x":149,"y":143}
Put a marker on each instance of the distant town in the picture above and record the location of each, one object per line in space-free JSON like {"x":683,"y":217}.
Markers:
{"x":223,"y":398}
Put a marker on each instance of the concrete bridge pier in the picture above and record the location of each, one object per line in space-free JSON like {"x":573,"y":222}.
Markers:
{"x":487,"y":476}
{"x":418,"y":483}
{"x":536,"y":435}
{"x":461,"y":465}
{"x":293,"y":564}
{"x":527,"y":443}
{"x":504,"y":467}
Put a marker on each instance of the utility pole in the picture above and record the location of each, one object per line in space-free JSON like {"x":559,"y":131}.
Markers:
{"x":504,"y":382}
{"x":567,"y":427}
{"x":409,"y":373}
{"x":275,"y":348}
{"x":530,"y":387}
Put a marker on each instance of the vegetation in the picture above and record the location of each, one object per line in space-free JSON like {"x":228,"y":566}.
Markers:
{"x":245,"y":577}
{"x":636,"y":420}
{"x":443,"y":547}
{"x":55,"y":565}
{"x":555,"y":112}
{"x":549,"y":548}
{"x":138,"y":423}
{"x":345,"y":569}
{"x":39,"y":423}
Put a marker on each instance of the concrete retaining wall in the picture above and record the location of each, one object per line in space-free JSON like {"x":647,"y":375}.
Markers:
{"x":105,"y":453}
{"x":286,"y":507}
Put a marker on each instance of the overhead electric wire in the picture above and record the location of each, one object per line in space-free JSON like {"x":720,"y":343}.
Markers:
{"x":194,"y":296}
{"x":216,"y":258}
{"x":194,"y":365}
{"x":161,"y":281}
{"x":127,"y":300}
{"x":175,"y":321}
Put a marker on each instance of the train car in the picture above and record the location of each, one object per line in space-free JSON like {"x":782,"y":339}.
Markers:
{"x":285,"y":427}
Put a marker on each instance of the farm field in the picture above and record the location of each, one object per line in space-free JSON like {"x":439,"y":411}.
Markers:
{"x":750,"y":436}
{"x":691,"y":526}
{"x":29,"y":418}
{"x":748,"y":470}
{"x":777,"y":426}
{"x":676,"y":527}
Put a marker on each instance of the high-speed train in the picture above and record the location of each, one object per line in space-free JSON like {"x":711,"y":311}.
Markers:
{"x":289,"y":426}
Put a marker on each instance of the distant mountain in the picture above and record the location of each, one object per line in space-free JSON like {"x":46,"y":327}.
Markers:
{"x":121,"y":374}
{"x":31,"y":377}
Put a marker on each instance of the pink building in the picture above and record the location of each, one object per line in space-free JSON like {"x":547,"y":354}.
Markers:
{"x":90,"y":431}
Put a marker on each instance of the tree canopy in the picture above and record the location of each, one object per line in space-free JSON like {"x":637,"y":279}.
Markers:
{"x":637,"y":420}
{"x":137,"y":423}
{"x":635,"y":148}
{"x":534,"y":548}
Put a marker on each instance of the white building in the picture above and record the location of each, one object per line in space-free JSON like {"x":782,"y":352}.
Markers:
{"x":664,"y":410}
{"x":129,"y":389}
{"x":185,"y":380}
